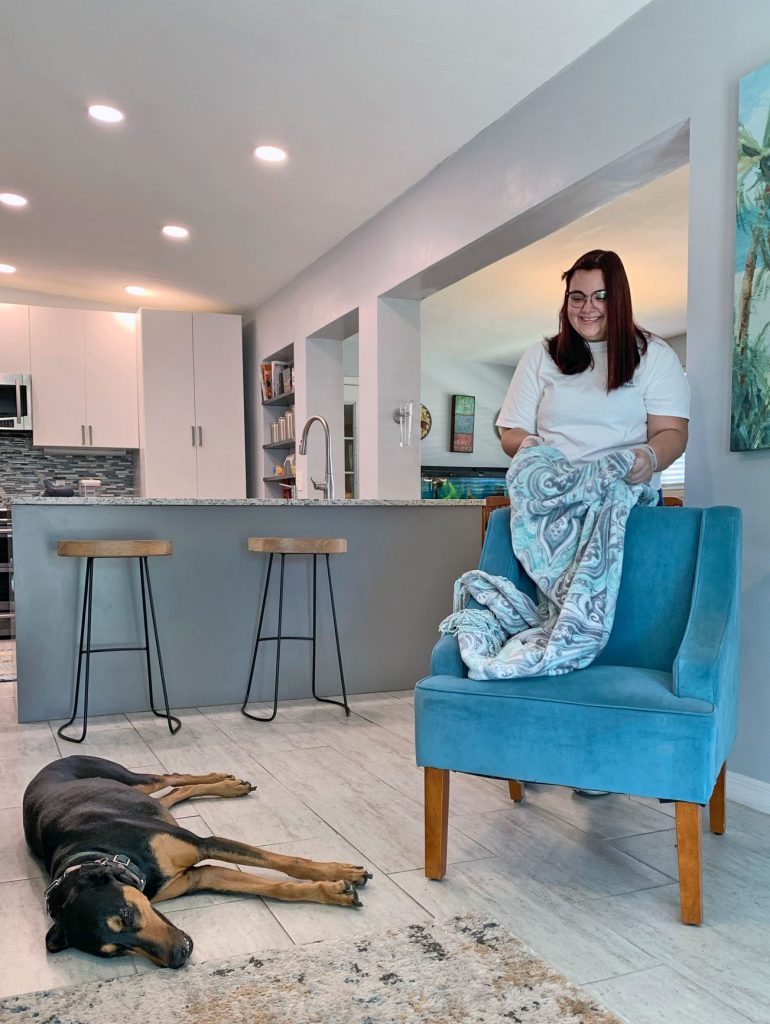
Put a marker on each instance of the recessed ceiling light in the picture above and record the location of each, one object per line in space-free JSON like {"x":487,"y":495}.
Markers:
{"x":136,"y":289}
{"x":6,"y":268}
{"x":175,"y":231}
{"x":270,"y":154}
{"x":109,"y":115}
{"x":12,"y":199}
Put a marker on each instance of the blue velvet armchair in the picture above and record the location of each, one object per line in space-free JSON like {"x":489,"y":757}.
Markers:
{"x":655,"y":714}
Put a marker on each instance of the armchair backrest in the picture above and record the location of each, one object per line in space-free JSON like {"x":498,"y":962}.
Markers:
{"x":659,"y":566}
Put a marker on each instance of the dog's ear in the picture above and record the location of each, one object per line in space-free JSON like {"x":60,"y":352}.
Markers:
{"x":56,"y":939}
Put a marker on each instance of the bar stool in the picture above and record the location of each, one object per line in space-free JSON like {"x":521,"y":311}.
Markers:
{"x":284,"y":546}
{"x":91,"y":549}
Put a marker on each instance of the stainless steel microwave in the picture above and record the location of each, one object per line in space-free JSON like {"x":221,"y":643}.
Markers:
{"x":15,"y":401}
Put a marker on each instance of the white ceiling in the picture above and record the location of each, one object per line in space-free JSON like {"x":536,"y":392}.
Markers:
{"x":498,"y":312}
{"x":367,"y":96}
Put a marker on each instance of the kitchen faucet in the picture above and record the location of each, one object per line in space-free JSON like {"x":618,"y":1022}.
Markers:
{"x":327,"y":487}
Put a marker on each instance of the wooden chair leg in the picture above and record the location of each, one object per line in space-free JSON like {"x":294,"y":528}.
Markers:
{"x":436,"y":821}
{"x":688,"y":851}
{"x":516,"y":790}
{"x":717,"y":803}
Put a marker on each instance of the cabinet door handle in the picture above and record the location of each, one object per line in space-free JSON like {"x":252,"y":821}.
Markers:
{"x":200,"y":436}
{"x":82,"y":433}
{"x":18,"y":401}
{"x":90,"y":434}
{"x":193,"y":435}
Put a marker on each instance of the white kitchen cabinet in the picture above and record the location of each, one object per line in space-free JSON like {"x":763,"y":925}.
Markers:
{"x":83,"y":365}
{"x":192,"y":441}
{"x":14,"y":338}
{"x":58,"y":377}
{"x":112,"y":414}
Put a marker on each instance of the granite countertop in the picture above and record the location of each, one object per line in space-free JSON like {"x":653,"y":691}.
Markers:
{"x":248,"y":502}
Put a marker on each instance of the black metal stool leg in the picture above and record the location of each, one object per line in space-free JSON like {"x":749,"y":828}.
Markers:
{"x":313,"y":638}
{"x":87,"y":586}
{"x":248,"y":714}
{"x":327,"y":700}
{"x":174,"y":724}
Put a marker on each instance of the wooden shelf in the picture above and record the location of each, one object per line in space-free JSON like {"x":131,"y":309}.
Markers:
{"x":279,"y":479}
{"x":287,"y":398}
{"x":288,"y":443}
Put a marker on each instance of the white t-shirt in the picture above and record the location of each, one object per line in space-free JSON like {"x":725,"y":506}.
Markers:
{"x":575,"y":414}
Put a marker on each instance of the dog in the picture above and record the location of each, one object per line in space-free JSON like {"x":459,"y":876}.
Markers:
{"x":112,"y":852}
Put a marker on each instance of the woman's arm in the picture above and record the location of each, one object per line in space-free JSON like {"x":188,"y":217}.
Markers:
{"x":511,"y":439}
{"x":667,"y":436}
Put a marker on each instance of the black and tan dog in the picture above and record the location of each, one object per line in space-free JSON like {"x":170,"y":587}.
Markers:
{"x":112,"y":851}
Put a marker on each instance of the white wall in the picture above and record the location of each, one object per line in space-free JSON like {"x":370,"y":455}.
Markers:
{"x":672,"y":63}
{"x":443,"y":377}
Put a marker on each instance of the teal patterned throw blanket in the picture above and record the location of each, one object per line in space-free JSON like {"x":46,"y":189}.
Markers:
{"x":568,"y":523}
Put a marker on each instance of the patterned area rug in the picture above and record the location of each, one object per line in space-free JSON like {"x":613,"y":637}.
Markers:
{"x":7,"y":662}
{"x":468,"y":970}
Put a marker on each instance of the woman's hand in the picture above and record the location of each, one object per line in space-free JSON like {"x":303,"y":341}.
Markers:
{"x":643,"y":467}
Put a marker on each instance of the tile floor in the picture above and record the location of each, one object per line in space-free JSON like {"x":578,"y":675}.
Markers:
{"x":589,"y":884}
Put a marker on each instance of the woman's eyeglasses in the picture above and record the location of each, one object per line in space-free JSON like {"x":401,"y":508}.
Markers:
{"x":598,"y":298}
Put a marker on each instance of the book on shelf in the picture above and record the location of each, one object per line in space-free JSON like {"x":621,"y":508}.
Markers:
{"x":276,"y":379}
{"x":266,"y":382}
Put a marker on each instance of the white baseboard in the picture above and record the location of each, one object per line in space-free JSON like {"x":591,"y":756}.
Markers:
{"x":749,"y":792}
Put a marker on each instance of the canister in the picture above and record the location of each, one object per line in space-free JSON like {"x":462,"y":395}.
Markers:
{"x":289,"y":424}
{"x":274,"y":432}
{"x":282,"y":428}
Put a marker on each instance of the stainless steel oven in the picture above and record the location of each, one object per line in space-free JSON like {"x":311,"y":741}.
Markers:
{"x":7,"y":616}
{"x":15,"y":401}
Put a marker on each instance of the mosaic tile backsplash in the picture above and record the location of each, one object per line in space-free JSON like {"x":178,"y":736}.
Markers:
{"x":22,"y":467}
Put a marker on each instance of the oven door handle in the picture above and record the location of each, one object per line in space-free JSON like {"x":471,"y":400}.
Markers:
{"x":18,"y":401}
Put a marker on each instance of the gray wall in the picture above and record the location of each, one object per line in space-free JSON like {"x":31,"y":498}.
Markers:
{"x":679,"y":344}
{"x":673,"y":64}
{"x":442,"y":378}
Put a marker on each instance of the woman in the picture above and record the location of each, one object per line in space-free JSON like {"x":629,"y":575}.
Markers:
{"x":601,"y":383}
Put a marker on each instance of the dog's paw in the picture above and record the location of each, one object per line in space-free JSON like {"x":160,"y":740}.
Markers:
{"x":356,"y":874}
{"x":351,"y":891}
{"x":237,"y":787}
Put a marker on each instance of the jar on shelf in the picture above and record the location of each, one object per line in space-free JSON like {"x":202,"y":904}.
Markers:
{"x":289,"y":417}
{"x":274,"y":432}
{"x":282,"y":435}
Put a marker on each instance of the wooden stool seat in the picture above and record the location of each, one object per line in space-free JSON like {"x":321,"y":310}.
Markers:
{"x":299,"y":545}
{"x":113,"y":548}
{"x":284,"y":546}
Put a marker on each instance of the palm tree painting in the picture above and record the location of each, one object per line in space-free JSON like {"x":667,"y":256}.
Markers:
{"x":750,"y":426}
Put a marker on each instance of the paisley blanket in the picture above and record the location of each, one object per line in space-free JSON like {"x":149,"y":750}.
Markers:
{"x":568,"y":523}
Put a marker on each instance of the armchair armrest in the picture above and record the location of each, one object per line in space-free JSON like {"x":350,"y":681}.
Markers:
{"x":707,"y":663}
{"x":445,"y":659}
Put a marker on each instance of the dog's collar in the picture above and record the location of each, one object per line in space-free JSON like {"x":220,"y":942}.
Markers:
{"x":89,"y":858}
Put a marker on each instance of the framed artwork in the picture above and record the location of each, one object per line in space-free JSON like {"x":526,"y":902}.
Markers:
{"x":750,"y":413}
{"x":463,"y":416}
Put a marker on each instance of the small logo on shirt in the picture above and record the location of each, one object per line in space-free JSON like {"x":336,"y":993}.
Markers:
{"x":630,"y":384}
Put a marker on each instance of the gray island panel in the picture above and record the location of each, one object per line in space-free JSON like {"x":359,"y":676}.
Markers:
{"x":391,"y":590}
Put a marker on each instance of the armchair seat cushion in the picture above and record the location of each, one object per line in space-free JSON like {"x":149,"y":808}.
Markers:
{"x":602,"y":727}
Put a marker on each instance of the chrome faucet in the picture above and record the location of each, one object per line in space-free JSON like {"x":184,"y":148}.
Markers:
{"x":327,"y":487}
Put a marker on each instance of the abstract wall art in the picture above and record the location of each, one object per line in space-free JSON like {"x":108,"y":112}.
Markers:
{"x":750,"y":419}
{"x":463,"y":416}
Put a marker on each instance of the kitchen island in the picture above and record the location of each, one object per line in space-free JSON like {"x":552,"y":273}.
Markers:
{"x":391,"y":590}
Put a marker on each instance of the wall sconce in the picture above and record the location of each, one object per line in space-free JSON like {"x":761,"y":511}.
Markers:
{"x":403,"y":416}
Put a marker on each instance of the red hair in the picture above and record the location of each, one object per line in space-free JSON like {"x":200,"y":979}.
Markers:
{"x":626,"y":341}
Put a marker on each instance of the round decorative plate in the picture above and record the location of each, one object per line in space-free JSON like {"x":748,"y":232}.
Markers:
{"x":426,"y":422}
